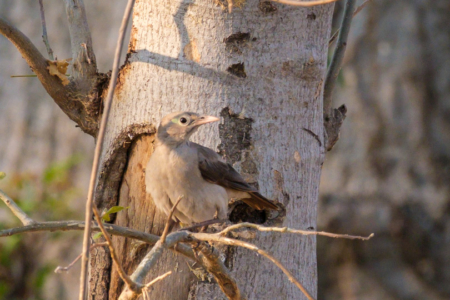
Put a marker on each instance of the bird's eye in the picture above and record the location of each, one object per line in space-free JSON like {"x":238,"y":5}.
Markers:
{"x":183,"y":120}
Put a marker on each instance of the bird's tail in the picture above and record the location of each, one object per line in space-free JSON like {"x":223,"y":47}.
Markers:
{"x":259,"y":202}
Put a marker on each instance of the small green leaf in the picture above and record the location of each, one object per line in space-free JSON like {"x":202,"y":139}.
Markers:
{"x":97,"y":235}
{"x":2,"y":175}
{"x":112,"y":210}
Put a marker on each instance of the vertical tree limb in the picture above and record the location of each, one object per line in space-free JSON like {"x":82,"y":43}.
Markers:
{"x":44,"y":31}
{"x":82,"y":71}
{"x":357,"y":10}
{"x":333,"y":118}
{"x":338,"y":56}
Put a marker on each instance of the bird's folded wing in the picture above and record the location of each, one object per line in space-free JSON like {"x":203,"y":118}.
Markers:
{"x":214,"y":170}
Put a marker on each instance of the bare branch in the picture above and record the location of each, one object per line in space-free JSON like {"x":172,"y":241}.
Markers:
{"x":333,"y":118}
{"x":63,"y":95}
{"x":169,"y":220}
{"x":130,"y":283}
{"x":99,"y":145}
{"x":150,"y":260}
{"x":80,"y":34}
{"x":304,"y":3}
{"x":79,"y":226}
{"x":60,"y":269}
{"x":360,"y":8}
{"x":44,"y":32}
{"x":232,"y":242}
{"x":297,"y":231}
{"x":338,"y":56}
{"x":159,"y":278}
{"x":357,"y":10}
{"x":17,"y":211}
{"x":209,"y":259}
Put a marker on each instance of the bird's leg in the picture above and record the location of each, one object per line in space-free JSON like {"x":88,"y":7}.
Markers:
{"x":172,"y":223}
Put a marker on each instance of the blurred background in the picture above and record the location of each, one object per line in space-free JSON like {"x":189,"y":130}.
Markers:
{"x":388,"y":174}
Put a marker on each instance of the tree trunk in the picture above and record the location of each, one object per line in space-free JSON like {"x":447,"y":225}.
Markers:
{"x":390,"y":171}
{"x":260,"y":68}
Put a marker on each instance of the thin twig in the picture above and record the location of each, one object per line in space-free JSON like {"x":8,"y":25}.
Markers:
{"x":212,"y":263}
{"x":98,"y":150}
{"x":79,"y":226}
{"x":14,"y":76}
{"x":128,"y":281}
{"x":60,"y":269}
{"x":297,"y":231}
{"x":169,"y":220}
{"x":207,"y":237}
{"x":357,"y":10}
{"x":338,"y":56}
{"x":157,"y":279}
{"x":17,"y":211}
{"x":304,"y":3}
{"x":145,"y":289}
{"x":44,"y":32}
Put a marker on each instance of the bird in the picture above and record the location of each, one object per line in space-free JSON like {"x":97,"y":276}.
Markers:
{"x":179,"y":168}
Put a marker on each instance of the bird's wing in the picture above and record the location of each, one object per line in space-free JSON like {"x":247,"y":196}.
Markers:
{"x":214,"y":170}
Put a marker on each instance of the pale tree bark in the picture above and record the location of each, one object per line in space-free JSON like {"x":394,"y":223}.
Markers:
{"x":261,"y":68}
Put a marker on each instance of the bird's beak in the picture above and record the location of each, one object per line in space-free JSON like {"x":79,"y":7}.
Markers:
{"x":206,"y":119}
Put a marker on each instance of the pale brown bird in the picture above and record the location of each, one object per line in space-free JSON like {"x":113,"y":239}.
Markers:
{"x":180,"y":168}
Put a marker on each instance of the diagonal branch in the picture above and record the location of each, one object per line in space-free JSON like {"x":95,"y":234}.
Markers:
{"x":17,"y":211}
{"x":69,"y":98}
{"x":150,"y":260}
{"x":209,"y":259}
{"x":36,"y":61}
{"x":60,"y":269}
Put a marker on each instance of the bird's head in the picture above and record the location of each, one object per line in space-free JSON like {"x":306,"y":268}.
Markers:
{"x":178,"y":127}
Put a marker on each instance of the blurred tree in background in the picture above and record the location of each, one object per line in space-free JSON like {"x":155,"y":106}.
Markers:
{"x":388,"y":174}
{"x":47,"y":160}
{"x":390,"y":171}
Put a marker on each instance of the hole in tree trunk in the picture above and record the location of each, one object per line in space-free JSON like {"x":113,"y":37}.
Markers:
{"x":237,"y":70}
{"x":241,"y":212}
